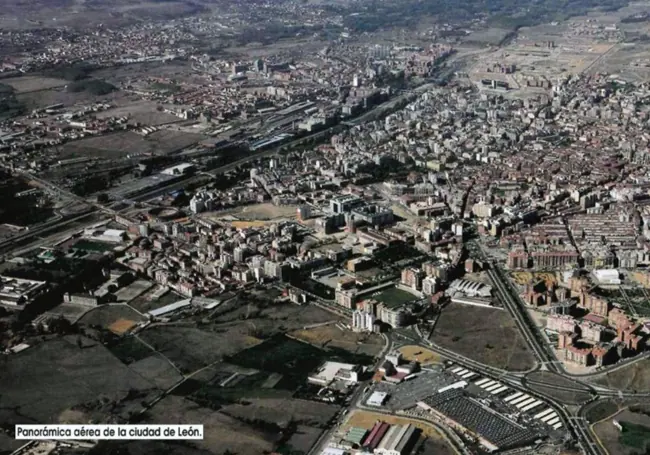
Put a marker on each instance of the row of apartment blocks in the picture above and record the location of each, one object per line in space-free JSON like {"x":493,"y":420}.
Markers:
{"x":370,"y":313}
{"x":557,"y":259}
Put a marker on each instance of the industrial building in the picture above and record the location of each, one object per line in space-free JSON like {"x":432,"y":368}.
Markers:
{"x":470,"y":288}
{"x":16,"y":293}
{"x":180,"y":169}
{"x":386,"y":439}
{"x":331,"y":371}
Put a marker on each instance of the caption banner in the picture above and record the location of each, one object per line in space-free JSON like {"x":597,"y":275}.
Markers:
{"x":98,"y":432}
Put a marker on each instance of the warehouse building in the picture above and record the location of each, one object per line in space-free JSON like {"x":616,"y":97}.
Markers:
{"x":386,"y":439}
{"x":331,"y":371}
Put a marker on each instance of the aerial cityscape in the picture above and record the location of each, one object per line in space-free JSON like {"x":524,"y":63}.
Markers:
{"x":326,"y":228}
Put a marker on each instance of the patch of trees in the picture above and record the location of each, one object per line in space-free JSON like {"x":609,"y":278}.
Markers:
{"x":70,"y":71}
{"x":92,"y":86}
{"x":9,"y":104}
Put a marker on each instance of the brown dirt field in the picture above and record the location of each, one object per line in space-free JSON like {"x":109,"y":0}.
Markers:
{"x":330,"y":335}
{"x":426,"y":356}
{"x":632,"y":377}
{"x":486,"y":335}
{"x":121,"y":326}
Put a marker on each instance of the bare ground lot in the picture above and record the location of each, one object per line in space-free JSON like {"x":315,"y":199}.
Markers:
{"x":486,"y":335}
{"x":264,"y":319}
{"x":629,"y":378}
{"x":44,"y":98}
{"x":157,"y":370}
{"x":142,"y":112}
{"x":332,"y":336}
{"x":106,"y":315}
{"x":44,"y":381}
{"x":133,"y":290}
{"x":609,"y":435}
{"x":561,"y":390}
{"x":26,"y":84}
{"x":176,"y":69}
{"x":125,"y":143}
{"x":221,"y":432}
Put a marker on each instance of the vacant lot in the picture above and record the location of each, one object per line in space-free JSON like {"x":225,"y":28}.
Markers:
{"x":27,"y":84}
{"x":524,"y":278}
{"x":332,"y":336}
{"x":107,"y":315}
{"x":422,"y":355}
{"x":133,"y":290}
{"x":266,"y":212}
{"x":123,"y":143}
{"x":44,"y":98}
{"x":486,"y":335}
{"x":141,"y":112}
{"x":635,"y":377}
{"x":157,"y":370}
{"x":634,"y":438}
{"x":191,"y":348}
{"x":264,"y":319}
{"x":220,"y":432}
{"x":42,"y":382}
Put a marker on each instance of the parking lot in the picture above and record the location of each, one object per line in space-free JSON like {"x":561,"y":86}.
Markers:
{"x":408,"y":393}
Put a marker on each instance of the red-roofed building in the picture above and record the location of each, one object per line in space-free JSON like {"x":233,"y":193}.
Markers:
{"x":376,"y":435}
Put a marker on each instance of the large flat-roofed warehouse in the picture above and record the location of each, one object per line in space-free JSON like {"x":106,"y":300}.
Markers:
{"x":494,"y":430}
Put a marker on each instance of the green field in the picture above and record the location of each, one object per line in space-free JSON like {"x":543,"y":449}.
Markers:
{"x":393,"y":297}
{"x":635,"y":436}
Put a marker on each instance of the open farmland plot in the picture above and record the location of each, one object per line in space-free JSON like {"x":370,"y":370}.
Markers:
{"x":113,"y":145}
{"x":123,"y":143}
{"x":26,"y":84}
{"x":170,"y":141}
{"x":486,"y":335}
{"x":221,"y":432}
{"x":332,"y":336}
{"x":191,"y":349}
{"x":44,"y":98}
{"x":157,"y":370}
{"x":141,"y":112}
{"x":283,"y":411}
{"x":58,"y":375}
{"x":264,"y":319}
